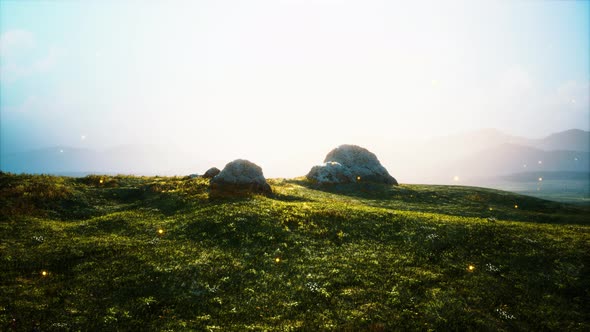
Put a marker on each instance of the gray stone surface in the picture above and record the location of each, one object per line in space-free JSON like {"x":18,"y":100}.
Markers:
{"x":351,"y":163}
{"x":331,"y":172}
{"x":211,"y":172}
{"x":239,"y":177}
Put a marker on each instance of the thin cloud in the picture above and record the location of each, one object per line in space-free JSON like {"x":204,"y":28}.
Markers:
{"x":14,"y":41}
{"x":14,"y":46}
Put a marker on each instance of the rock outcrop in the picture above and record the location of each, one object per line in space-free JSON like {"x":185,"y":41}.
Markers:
{"x":239,"y":177}
{"x":351,"y":163}
{"x":331,"y":172}
{"x":211,"y":173}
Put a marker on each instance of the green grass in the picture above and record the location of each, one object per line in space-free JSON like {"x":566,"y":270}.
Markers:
{"x":353,"y":257}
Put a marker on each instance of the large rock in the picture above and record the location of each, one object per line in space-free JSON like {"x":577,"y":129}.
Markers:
{"x":331,"y":172}
{"x":211,"y":173}
{"x":239,"y":177}
{"x":351,"y":163}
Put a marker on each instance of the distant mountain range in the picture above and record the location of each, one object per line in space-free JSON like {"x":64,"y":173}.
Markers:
{"x":489,"y":153}
{"x":570,"y":140}
{"x":459,"y":159}
{"x":507,"y":159}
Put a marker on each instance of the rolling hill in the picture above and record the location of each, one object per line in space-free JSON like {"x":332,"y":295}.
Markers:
{"x":509,"y":158}
{"x":488,"y":158}
{"x":156,"y":253}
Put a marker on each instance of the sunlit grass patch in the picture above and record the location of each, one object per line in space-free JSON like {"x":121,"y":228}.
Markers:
{"x":157,"y":253}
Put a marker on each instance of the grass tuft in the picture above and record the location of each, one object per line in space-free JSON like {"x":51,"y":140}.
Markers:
{"x":156,"y":253}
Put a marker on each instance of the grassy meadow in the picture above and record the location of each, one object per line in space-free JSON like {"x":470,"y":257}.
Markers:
{"x":108,"y":253}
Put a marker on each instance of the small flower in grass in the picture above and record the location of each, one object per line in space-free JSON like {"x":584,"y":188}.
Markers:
{"x":504,"y":315}
{"x":492,"y":268}
{"x":60,"y":325}
{"x":313,"y":286}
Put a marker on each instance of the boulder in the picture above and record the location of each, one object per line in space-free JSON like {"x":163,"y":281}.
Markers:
{"x":239,"y":177}
{"x":331,"y":172}
{"x":351,"y":163}
{"x":211,"y":173}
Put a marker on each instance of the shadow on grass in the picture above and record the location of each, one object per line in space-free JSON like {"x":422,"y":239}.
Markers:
{"x":290,"y":198}
{"x":246,"y":196}
{"x":456,"y":201}
{"x":362,"y":190}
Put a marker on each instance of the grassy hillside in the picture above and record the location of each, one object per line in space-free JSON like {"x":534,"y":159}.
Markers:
{"x":153,"y":253}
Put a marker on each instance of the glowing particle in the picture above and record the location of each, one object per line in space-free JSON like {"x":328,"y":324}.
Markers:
{"x":160,"y":231}
{"x":456,"y":178}
{"x":524,"y":165}
{"x":576,"y":159}
{"x":277,"y":260}
{"x":491,"y":209}
{"x":540,"y":162}
{"x":540,"y":179}
{"x":44,"y":273}
{"x":83,"y":137}
{"x":358,"y":178}
{"x":470,"y":268}
{"x":516,"y":206}
{"x":101,"y":181}
{"x":61,"y":151}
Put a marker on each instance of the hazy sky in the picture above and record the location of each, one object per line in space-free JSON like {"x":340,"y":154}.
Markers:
{"x":273,"y":81}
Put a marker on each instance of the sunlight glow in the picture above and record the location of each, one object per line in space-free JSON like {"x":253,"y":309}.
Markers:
{"x":540,"y":179}
{"x":456,"y":178}
{"x":361,"y":77}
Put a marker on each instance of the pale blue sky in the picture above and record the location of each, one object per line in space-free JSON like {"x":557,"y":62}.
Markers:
{"x":300,"y":76}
